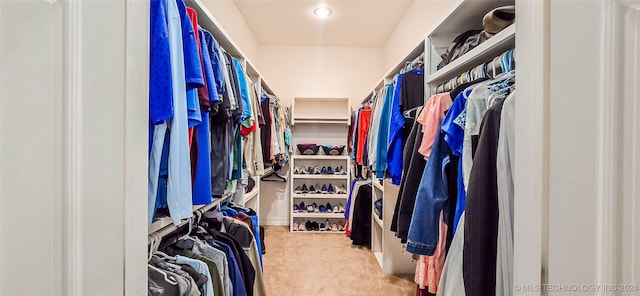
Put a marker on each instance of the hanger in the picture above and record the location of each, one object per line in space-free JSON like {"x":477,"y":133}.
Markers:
{"x":167,"y":277}
{"x":407,"y":113}
{"x":274,"y":176}
{"x":186,"y":236}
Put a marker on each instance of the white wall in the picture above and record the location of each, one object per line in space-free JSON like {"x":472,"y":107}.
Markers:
{"x":301,"y":71}
{"x":419,"y":19}
{"x":226,"y":12}
{"x":73,"y":134}
{"x":298,"y":71}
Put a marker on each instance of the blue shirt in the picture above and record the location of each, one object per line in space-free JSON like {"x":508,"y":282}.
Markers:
{"x":454,"y":137}
{"x":383,"y":133}
{"x":217,"y":64}
{"x":354,"y":135}
{"x":179,"y":163}
{"x":234,"y":270}
{"x":160,"y":89}
{"x":194,"y":78}
{"x":394,"y":149}
{"x":244,"y":91}
{"x":208,"y":69}
{"x":202,"y":182}
{"x":200,"y":267}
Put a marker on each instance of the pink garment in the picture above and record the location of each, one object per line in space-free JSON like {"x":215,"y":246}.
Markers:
{"x":429,"y":268}
{"x":430,"y":119}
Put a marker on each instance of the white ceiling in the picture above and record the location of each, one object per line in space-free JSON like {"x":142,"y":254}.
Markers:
{"x":353,"y":23}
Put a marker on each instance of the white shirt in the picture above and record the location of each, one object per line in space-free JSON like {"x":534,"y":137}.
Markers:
{"x":505,"y":163}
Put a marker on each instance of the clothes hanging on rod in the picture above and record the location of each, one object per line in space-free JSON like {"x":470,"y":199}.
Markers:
{"x":204,"y":112}
{"x":432,"y":198}
{"x":213,"y":258}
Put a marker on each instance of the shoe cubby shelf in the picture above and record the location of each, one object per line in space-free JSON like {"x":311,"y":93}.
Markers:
{"x":377,"y":185}
{"x":319,"y":196}
{"x":310,"y":117}
{"x":384,"y":244}
{"x":319,"y":232}
{"x":321,"y":157}
{"x":322,"y":177}
{"x":319,"y":215}
{"x":377,"y":220}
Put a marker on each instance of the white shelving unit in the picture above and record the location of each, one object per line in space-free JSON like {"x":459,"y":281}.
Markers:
{"x":334,"y":110}
{"x":385,"y":245}
{"x":329,"y":127}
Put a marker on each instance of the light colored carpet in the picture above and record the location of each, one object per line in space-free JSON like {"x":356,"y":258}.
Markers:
{"x":304,"y":264}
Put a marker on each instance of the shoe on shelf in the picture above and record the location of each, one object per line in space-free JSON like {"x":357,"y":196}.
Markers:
{"x":310,"y":170}
{"x":342,"y":171}
{"x":323,"y":209}
{"x":298,"y":190}
{"x":318,"y":190}
{"x":315,"y":208}
{"x":341,"y":207}
{"x":302,"y":171}
{"x":310,"y":209}
{"x":329,"y":208}
{"x":340,"y":226}
{"x":341,"y":190}
{"x":327,"y":225}
{"x":301,"y":227}
{"x":338,"y":171}
{"x":295,"y":227}
{"x":301,"y":207}
{"x":334,"y":227}
{"x":323,"y":170}
{"x":304,"y":189}
{"x":324,"y":188}
{"x":336,"y":209}
{"x":296,"y":171}
{"x":315,"y":226}
{"x":317,"y":171}
{"x":312,"y":189}
{"x":330,"y":171}
{"x":322,"y":227}
{"x":296,"y":208}
{"x":330,"y":190}
{"x":308,"y":226}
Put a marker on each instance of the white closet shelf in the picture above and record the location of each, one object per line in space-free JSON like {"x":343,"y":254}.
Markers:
{"x":312,"y":232}
{"x":322,"y":177}
{"x":163,"y":222}
{"x":319,"y":215}
{"x":251,"y":195}
{"x":377,"y":185}
{"x":319,"y":196}
{"x":378,"y":257}
{"x":378,"y":221}
{"x":493,"y":47}
{"x":299,"y":121}
{"x":324,"y":157}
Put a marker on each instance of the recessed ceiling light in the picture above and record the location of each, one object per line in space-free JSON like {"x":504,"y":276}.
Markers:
{"x":322,"y":12}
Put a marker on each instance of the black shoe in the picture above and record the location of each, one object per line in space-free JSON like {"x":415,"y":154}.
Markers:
{"x":308,"y":225}
{"x":304,"y":188}
{"x":312,"y":189}
{"x":322,"y":227}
